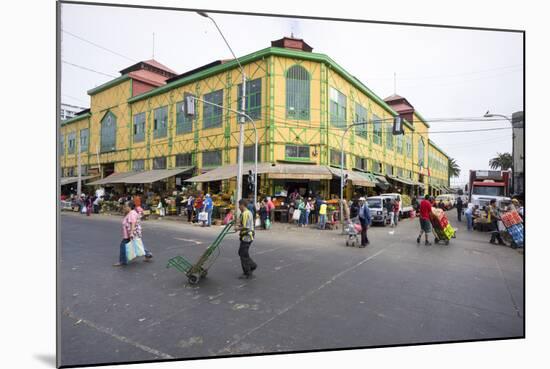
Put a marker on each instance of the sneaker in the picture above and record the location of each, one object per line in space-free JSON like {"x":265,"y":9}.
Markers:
{"x":418,"y":239}
{"x":427,"y":243}
{"x":118,"y":264}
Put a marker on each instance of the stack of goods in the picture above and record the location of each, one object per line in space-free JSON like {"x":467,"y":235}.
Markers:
{"x":442,"y":229}
{"x":511,"y":218}
{"x":514,"y":225}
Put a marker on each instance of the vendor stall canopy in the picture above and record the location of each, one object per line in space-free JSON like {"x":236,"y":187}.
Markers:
{"x":285,"y":171}
{"x":148,"y":176}
{"x":68,"y":180}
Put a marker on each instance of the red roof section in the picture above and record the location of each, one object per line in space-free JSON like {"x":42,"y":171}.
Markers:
{"x":399,"y":104}
{"x":158,"y":65}
{"x":148,"y":77}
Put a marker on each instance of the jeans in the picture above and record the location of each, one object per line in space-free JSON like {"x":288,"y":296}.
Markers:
{"x":307,"y":216}
{"x":396,"y":218}
{"x":122,"y":254}
{"x":209,"y":222}
{"x":459,"y":213}
{"x":247,"y":263}
{"x":302,"y":220}
{"x":470,"y":222}
{"x":392,"y":220}
{"x":189,"y":215}
{"x":364,"y":238}
{"x":322,"y":221}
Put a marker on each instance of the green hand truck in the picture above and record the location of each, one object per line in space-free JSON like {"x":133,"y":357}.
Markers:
{"x":195,"y":272}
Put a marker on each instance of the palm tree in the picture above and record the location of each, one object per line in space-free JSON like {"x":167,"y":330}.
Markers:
{"x":501,"y":161}
{"x":454,"y":169}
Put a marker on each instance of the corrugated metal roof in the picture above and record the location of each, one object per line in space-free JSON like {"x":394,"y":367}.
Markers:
{"x":113,"y":178}
{"x":69,"y":180}
{"x":154,"y":175}
{"x":356,"y":178}
{"x":274,"y":171}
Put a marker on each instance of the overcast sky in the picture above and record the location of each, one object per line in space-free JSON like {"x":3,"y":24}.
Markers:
{"x":443,"y":73}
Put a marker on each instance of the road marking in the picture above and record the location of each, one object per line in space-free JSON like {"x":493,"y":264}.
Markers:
{"x":109,"y":332}
{"x":301,"y":299}
{"x":187,"y":240}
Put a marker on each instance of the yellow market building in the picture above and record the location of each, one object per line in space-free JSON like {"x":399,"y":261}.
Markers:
{"x":300,"y":101}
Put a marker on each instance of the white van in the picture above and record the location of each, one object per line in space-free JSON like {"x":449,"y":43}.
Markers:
{"x":378,"y":213}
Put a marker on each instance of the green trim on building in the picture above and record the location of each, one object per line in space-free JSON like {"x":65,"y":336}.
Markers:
{"x":109,"y":84}
{"x":430,"y":142}
{"x":275,"y":51}
{"x":75,"y":119}
{"x":407,"y":124}
{"x":421,"y":119}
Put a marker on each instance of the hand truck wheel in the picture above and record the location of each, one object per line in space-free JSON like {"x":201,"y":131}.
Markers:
{"x":193,"y":278}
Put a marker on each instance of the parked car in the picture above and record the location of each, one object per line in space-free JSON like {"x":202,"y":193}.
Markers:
{"x":378,"y":213}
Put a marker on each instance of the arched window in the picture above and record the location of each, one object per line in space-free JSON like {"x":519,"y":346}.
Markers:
{"x":297,"y":93}
{"x":108,"y":132}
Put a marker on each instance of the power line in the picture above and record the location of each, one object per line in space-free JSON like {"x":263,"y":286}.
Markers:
{"x":88,"y":69}
{"x":76,"y":98}
{"x":99,"y":46}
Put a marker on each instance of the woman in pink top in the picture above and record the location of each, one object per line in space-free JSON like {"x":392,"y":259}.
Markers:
{"x":131,"y":228}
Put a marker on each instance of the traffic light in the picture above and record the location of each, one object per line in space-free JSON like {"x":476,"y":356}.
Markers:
{"x":397,"y":126}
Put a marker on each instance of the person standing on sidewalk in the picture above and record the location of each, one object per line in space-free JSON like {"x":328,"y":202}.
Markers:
{"x":190,"y":202}
{"x":245,"y":227}
{"x":309,"y":208}
{"x":425,"y":225}
{"x":459,"y":205}
{"x":208,"y":207}
{"x":322,"y":214}
{"x":494,"y":217}
{"x":365,"y":219}
{"x":395,"y":212}
{"x":388,"y":204}
{"x":468,"y":213}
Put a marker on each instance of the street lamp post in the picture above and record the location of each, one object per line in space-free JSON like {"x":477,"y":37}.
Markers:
{"x":489,"y":115}
{"x":240,"y":151}
{"x":243,"y":115}
{"x":397,"y":129}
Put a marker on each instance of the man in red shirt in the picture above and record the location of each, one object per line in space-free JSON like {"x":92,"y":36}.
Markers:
{"x":425,"y":225}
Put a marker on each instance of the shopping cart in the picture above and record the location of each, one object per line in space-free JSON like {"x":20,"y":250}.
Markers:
{"x":352,"y":233}
{"x":195,"y":272}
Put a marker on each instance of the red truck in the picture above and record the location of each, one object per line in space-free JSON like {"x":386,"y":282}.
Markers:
{"x":486,"y":185}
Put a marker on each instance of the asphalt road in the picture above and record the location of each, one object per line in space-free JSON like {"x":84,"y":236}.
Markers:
{"x":310,"y":292}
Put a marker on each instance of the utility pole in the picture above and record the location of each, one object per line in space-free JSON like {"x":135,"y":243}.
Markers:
{"x":79,"y":183}
{"x":240,"y":152}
